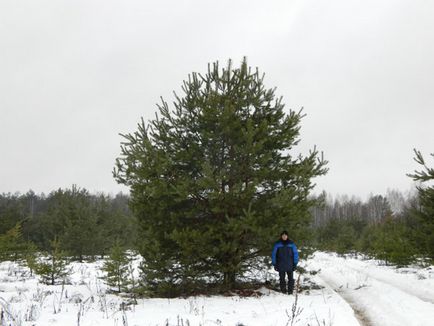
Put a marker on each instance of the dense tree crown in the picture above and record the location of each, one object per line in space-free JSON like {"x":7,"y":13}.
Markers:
{"x":214,"y":179}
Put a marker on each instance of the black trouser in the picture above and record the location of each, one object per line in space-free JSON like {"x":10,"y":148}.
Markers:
{"x":283,"y":283}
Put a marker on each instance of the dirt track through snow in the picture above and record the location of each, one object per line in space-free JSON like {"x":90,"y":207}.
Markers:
{"x":359,"y":313}
{"x":422,"y":294}
{"x":376,"y":300}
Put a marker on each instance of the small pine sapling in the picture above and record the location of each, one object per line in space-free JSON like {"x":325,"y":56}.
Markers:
{"x":30,"y":257}
{"x":12,"y":245}
{"x":55,"y":268}
{"x":116,"y":268}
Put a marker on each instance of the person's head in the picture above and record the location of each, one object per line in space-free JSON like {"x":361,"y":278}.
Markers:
{"x":284,"y":235}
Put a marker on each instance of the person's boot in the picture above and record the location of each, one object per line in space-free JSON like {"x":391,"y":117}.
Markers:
{"x":283,"y":287}
{"x":290,"y":286}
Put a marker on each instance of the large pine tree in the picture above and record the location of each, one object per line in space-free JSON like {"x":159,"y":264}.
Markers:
{"x":424,"y":212}
{"x":214,"y":179}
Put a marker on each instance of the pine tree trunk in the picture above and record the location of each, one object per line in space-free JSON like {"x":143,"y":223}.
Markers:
{"x":52,"y":269}
{"x":229,"y":280}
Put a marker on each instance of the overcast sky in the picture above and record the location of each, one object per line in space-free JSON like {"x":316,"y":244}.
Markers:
{"x":75,"y":74}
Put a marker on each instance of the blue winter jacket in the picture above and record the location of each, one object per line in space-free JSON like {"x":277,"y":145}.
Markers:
{"x":284,"y":255}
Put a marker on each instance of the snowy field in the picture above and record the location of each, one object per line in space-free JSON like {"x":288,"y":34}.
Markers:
{"x":351,"y":292}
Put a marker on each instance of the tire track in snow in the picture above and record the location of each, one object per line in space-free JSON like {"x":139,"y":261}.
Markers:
{"x":394,"y":284}
{"x":359,"y":313}
{"x":375,"y":302}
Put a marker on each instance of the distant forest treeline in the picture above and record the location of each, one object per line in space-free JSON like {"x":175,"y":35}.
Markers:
{"x":88,"y":224}
{"x":85,"y":224}
{"x":386,"y":227}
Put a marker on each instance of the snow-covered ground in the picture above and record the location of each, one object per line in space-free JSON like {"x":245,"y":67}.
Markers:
{"x":354,"y":292}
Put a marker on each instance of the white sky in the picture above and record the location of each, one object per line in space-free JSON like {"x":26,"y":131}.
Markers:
{"x":74,"y":74}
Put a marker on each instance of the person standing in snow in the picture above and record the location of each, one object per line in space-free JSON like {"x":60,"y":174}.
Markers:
{"x":285,"y":258}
